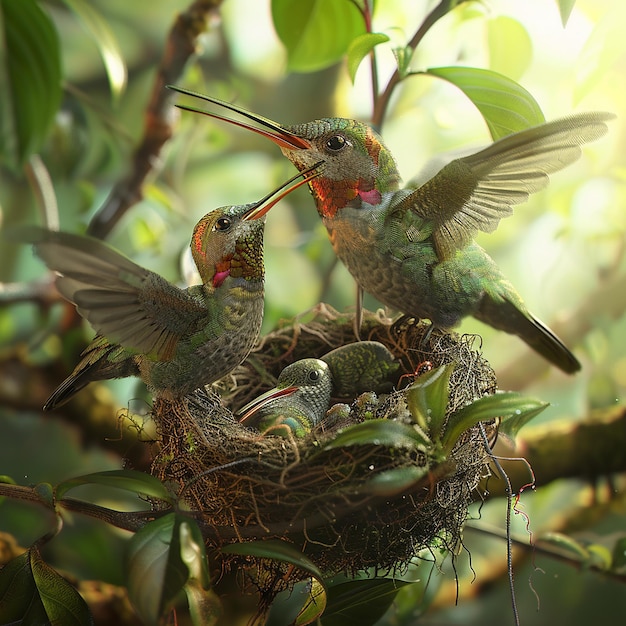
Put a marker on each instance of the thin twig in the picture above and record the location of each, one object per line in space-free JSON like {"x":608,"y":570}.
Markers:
{"x":546,"y":549}
{"x":42,"y":292}
{"x":181,"y":45}
{"x":437,"y":13}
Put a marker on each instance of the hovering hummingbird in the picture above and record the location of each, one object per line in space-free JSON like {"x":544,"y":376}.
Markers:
{"x":413,"y":248}
{"x":176,"y":340}
{"x":302,"y":394}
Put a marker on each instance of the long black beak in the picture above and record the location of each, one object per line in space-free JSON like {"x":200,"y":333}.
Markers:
{"x":281,"y":136}
{"x":260,"y":208}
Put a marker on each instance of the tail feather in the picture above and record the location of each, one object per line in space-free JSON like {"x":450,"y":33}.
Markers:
{"x":100,"y":361}
{"x":506,"y":316}
{"x":66,"y":390}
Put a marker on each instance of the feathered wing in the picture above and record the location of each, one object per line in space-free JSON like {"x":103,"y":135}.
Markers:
{"x":129,"y":305}
{"x":480,"y":189}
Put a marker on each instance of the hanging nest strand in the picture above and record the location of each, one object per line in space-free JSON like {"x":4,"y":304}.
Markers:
{"x":332,"y":503}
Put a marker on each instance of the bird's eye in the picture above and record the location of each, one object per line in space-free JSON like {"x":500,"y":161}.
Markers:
{"x":336,"y":143}
{"x":223,"y":223}
{"x":314,"y":375}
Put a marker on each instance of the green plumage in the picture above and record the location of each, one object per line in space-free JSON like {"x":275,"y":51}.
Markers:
{"x":413,"y":248}
{"x":302,"y":394}
{"x":297,"y":403}
{"x":176,"y":340}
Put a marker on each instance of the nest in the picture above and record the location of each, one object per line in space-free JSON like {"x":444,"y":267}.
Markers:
{"x":325,"y":500}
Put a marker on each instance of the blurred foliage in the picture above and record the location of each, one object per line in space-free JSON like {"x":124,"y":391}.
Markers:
{"x":69,"y":132}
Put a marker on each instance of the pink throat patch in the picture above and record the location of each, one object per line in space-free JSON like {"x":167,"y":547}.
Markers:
{"x":371,"y":197}
{"x":220,"y":277}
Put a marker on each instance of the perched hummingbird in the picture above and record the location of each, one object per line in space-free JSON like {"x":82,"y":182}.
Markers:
{"x":176,"y":340}
{"x":413,"y":248}
{"x":303,"y":390}
{"x":297,"y":403}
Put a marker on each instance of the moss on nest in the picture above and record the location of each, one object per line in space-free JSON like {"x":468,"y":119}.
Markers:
{"x":333,"y":503}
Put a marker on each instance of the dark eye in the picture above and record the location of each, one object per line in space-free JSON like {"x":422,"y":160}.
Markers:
{"x":223,"y":223}
{"x":314,"y":375}
{"x":336,"y":143}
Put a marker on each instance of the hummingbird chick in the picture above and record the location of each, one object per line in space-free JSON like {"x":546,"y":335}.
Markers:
{"x":302,"y":394}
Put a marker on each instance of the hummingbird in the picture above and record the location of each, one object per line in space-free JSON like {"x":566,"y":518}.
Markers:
{"x":296,"y":405}
{"x":359,"y":367}
{"x":176,"y":340}
{"x":302,"y":394}
{"x":413,"y":248}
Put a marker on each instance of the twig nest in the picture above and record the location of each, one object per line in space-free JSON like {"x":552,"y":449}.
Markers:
{"x":347,"y":505}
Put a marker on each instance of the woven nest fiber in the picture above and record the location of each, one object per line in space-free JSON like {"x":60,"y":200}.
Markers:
{"x":244,"y":486}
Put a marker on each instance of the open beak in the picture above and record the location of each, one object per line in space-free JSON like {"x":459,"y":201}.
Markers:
{"x":260,"y":208}
{"x":251,"y":408}
{"x":270,"y":129}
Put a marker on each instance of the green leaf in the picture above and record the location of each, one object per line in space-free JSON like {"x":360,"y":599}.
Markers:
{"x":45,"y":493}
{"x":527,"y":409}
{"x":156,"y":573}
{"x":510,"y":46}
{"x":316,"y":33}
{"x":104,"y":39}
{"x":379,"y":432}
{"x":6,"y":480}
{"x":504,"y":104}
{"x":282,"y":551}
{"x":315,"y":604}
{"x":62,"y":603}
{"x":565,"y":8}
{"x":513,"y":408}
{"x":193,"y":552}
{"x":18,"y":595}
{"x":427,"y":399}
{"x":277,"y":550}
{"x":395,"y":481}
{"x":403,"y":59}
{"x":618,"y":556}
{"x":205,"y":605}
{"x":599,"y":556}
{"x":31,"y":592}
{"x":566,"y":543}
{"x":298,"y":605}
{"x":360,"y":47}
{"x":129,"y":480}
{"x":30,"y":74}
{"x":360,"y":602}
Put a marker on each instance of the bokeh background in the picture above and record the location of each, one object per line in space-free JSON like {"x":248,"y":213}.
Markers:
{"x":564,"y":251}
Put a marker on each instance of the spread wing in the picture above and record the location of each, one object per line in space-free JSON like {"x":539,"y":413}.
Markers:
{"x":475,"y":192}
{"x":127,"y":304}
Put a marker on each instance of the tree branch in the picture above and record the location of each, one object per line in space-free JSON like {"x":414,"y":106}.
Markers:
{"x":586,"y":450}
{"x":181,"y":46}
{"x":544,"y":548}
